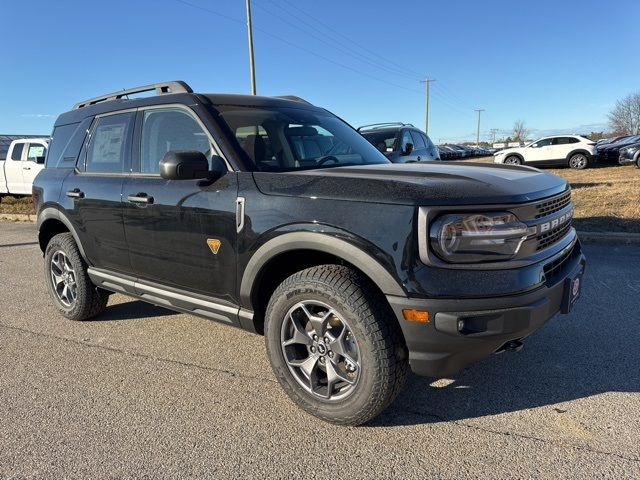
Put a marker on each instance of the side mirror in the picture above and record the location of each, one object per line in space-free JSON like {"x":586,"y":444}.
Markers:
{"x":40,"y":160}
{"x":184,"y":165}
{"x":408,"y":149}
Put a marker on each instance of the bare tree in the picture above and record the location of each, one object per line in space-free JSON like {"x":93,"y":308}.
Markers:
{"x":624,"y":119}
{"x":520,"y":131}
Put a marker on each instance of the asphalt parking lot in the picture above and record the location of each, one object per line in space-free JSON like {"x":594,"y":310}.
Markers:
{"x":144,"y":392}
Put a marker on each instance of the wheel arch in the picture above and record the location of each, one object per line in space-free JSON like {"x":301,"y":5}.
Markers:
{"x":291,"y":252}
{"x":578,"y":150}
{"x":515,"y":154}
{"x":51,"y":222}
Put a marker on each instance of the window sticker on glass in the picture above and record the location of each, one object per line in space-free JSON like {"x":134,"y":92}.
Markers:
{"x":35,"y":151}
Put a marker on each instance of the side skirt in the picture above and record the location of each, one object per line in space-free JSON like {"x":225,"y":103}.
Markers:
{"x":172,"y":298}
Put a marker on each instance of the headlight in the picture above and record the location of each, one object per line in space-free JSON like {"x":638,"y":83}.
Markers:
{"x":629,"y":150}
{"x":478,"y":237}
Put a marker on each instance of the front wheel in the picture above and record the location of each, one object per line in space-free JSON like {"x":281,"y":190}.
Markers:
{"x":579,"y":161}
{"x":334,"y":345}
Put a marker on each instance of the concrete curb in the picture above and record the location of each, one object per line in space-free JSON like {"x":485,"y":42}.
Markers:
{"x":617,"y":238}
{"x":18,"y":217}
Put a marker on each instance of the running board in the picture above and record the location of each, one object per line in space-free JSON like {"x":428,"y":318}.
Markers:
{"x":171,"y":298}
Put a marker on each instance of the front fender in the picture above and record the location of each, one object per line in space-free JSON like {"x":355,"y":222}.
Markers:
{"x":327,"y":240}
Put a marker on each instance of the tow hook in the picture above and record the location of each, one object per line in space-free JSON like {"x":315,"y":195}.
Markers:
{"x":512,"y":346}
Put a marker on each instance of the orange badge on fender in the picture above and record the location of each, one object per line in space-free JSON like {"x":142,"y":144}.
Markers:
{"x":214,"y":245}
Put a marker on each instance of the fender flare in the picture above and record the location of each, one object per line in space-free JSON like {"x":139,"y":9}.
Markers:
{"x":578,"y":150}
{"x":515,"y":154}
{"x":323,"y":243}
{"x":51,"y":213}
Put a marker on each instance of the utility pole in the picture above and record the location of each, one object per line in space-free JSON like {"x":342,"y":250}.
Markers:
{"x":252,"y":70}
{"x":427,"y":82}
{"x":493,"y":135}
{"x":479,"y":110}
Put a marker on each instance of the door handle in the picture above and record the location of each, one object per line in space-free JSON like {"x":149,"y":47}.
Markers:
{"x":419,"y":158}
{"x":26,"y":168}
{"x":140,"y":198}
{"x":75,"y":193}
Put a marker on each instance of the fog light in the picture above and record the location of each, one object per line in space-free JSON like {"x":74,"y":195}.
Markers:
{"x":412,"y":315}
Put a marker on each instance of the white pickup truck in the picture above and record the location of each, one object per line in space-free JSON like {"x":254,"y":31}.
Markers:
{"x":25,"y":159}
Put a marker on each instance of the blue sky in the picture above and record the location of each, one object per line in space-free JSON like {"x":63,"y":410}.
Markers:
{"x":557,"y":65}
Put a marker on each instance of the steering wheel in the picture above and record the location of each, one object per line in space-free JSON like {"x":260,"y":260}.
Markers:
{"x":328,"y":158}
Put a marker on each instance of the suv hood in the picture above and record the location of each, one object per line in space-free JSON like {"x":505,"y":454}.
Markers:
{"x":433,"y":183}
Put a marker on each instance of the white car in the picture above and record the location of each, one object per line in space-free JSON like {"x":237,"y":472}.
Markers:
{"x":562,"y":150}
{"x":24,"y":161}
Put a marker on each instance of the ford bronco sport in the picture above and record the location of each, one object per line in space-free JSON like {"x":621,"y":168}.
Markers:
{"x":275,"y":216}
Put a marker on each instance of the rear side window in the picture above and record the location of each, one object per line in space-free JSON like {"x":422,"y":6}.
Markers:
{"x":418,"y":141}
{"x":428,"y":142}
{"x":35,"y":151}
{"x":169,"y":129}
{"x":16,"y":154}
{"x":108,"y":147}
{"x":565,"y":140}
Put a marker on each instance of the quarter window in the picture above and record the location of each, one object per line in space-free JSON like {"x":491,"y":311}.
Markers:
{"x":169,"y":129}
{"x":108,"y":146}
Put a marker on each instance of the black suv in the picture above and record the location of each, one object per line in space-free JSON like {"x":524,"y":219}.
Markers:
{"x":275,"y":216}
{"x":400,"y":142}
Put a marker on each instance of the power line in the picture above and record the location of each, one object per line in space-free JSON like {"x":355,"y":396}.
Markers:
{"x":415,"y":75}
{"x":328,"y":40}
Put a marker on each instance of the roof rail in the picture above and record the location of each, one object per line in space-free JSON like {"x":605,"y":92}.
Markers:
{"x":294,"y":98}
{"x":177,"y":86}
{"x":382,"y":125}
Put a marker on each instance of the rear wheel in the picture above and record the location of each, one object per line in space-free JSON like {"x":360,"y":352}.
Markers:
{"x":334,"y":346}
{"x":513,"y":160}
{"x":579,"y":161}
{"x":67,"y":280}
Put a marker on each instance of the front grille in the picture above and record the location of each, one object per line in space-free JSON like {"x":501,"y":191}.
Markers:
{"x":554,"y":205}
{"x":552,"y":236}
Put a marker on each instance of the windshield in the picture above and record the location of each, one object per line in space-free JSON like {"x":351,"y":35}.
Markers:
{"x":279,"y":139}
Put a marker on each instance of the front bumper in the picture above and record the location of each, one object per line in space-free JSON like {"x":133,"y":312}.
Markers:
{"x":627,"y":158}
{"x":438,"y":348}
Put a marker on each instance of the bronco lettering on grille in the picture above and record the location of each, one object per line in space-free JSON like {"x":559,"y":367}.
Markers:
{"x":556,"y":222}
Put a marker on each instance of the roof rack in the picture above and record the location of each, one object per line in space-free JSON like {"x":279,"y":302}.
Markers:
{"x":294,"y":98}
{"x":177,"y":86}
{"x":373,"y":126}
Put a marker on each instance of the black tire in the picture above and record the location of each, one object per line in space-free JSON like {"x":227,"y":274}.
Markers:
{"x":579,"y":161}
{"x":513,"y":160}
{"x":88,"y":301}
{"x":638,"y":163}
{"x":382,"y":353}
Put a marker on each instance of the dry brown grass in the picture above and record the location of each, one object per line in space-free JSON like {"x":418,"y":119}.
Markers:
{"x":607,"y":198}
{"x":10,"y":204}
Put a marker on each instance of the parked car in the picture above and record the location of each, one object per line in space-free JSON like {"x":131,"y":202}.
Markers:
{"x":400,"y":142}
{"x":630,"y":155}
{"x":275,"y":216}
{"x":610,"y":153}
{"x":574,"y":151}
{"x":25,"y":159}
{"x":447,"y":153}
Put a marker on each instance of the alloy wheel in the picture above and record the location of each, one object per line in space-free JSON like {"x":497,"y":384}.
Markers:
{"x":63,"y":278}
{"x":320,"y":350}
{"x":578,"y":161}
